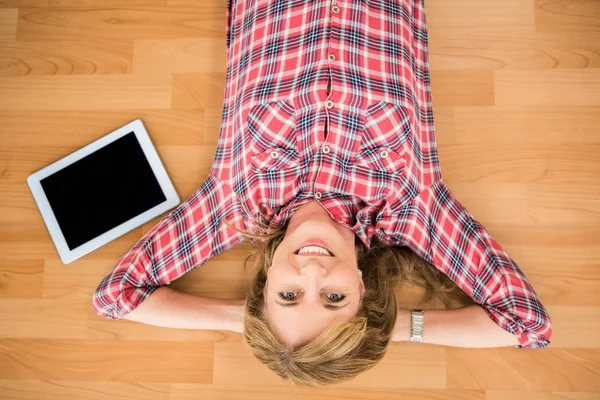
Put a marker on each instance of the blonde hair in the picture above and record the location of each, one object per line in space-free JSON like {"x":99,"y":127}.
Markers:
{"x":347,"y":347}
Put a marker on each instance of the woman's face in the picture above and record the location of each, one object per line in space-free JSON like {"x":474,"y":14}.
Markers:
{"x":306,"y":292}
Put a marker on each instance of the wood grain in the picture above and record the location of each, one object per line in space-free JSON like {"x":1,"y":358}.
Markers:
{"x":188,"y":55}
{"x":217,"y":392}
{"x":202,"y":19}
{"x":508,"y":369}
{"x":21,"y":278}
{"x":516,"y":95}
{"x":462,"y":88}
{"x":8,"y":24}
{"x":81,"y":390}
{"x":567,"y":16}
{"x":89,"y":57}
{"x":576,"y":87}
{"x":102,"y":360}
{"x":85,"y":92}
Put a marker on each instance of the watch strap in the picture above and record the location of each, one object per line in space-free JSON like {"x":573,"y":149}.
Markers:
{"x":417,"y":319}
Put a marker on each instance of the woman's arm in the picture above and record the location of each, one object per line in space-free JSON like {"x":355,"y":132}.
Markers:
{"x":464,"y":327}
{"x":440,"y":230}
{"x":172,"y":309}
{"x":184,"y":239}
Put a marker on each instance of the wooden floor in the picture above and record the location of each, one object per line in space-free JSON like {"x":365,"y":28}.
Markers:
{"x":516,"y":89}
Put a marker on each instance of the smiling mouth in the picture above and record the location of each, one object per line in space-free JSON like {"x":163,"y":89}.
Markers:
{"x":314,"y":253}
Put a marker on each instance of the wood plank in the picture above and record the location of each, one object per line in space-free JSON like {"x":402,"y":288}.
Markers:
{"x":404,"y":366}
{"x":569,"y":87}
{"x":8,"y":24}
{"x":81,"y":390}
{"x":522,"y":162}
{"x":560,"y":235}
{"x":484,"y":46}
{"x":468,"y":87}
{"x":219,"y":392}
{"x":488,"y":12}
{"x":444,"y":125}
{"x":77,"y":3}
{"x":75,"y":282}
{"x":575,"y":327}
{"x":94,"y":92}
{"x":43,"y":318}
{"x":561,"y":274}
{"x":21,"y":278}
{"x":74,"y":129}
{"x":202,"y":19}
{"x":198,"y":90}
{"x":187,"y":55}
{"x":564,"y":203}
{"x":570,"y":370}
{"x":88,"y":57}
{"x":123,"y":330}
{"x":567,"y":16}
{"x":22,"y":233}
{"x":532,"y":124}
{"x":189,"y":166}
{"x":104,"y":360}
{"x":535,"y":395}
{"x":493,"y":202}
{"x":212,"y":125}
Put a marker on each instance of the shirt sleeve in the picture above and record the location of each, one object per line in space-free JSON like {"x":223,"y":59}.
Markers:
{"x":184,"y":239}
{"x":439,"y":229}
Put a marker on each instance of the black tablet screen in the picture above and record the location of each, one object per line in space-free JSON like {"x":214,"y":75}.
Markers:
{"x":102,"y":190}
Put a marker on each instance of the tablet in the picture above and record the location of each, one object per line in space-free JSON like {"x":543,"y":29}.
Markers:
{"x":102,"y":191}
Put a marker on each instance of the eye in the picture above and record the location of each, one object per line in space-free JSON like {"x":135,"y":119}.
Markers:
{"x":335,"y":298}
{"x":288,"y":296}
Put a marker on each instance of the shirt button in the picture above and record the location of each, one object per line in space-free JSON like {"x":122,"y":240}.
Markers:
{"x":318,"y":195}
{"x":274,"y":154}
{"x":384,"y":154}
{"x":335,"y":9}
{"x":329,"y":104}
{"x":331,"y":57}
{"x":326,"y":149}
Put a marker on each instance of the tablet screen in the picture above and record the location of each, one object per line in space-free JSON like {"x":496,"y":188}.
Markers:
{"x":102,"y":190}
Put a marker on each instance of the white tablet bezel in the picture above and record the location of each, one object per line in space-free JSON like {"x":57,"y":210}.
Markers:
{"x":172,"y":199}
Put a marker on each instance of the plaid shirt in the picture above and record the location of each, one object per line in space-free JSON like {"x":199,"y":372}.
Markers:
{"x":329,"y":100}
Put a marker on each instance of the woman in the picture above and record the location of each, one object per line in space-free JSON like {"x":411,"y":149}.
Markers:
{"x":327,"y":161}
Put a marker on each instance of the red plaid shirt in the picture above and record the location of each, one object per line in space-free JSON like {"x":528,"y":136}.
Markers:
{"x":329,"y":100}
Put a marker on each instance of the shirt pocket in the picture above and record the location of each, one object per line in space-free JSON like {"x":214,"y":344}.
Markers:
{"x":275,"y":158}
{"x":272,"y":124}
{"x":384,"y":137}
{"x":380,"y":158}
{"x":386,"y":125}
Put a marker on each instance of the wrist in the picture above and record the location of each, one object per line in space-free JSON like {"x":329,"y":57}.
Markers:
{"x":233,"y":311}
{"x":401,"y":331}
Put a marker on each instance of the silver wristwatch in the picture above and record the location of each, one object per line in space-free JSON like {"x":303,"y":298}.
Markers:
{"x":417,"y":318}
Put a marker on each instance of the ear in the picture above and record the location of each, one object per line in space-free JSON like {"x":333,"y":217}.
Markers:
{"x":267,"y":281}
{"x":361,"y":286}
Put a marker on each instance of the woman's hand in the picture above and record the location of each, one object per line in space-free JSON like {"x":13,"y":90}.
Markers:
{"x":464,"y":327}
{"x":171,"y":309}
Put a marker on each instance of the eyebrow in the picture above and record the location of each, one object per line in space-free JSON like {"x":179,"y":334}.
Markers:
{"x":327,"y":306}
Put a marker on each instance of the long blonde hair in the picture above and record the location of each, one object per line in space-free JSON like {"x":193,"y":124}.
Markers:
{"x":348,"y":347}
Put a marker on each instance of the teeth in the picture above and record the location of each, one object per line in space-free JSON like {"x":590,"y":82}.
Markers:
{"x":313,"y":249}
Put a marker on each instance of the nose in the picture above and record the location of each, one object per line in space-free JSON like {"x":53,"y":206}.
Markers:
{"x":313,"y":267}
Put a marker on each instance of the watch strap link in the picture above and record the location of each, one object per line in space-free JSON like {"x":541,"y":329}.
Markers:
{"x":417,"y":318}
